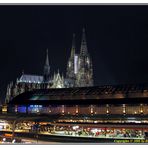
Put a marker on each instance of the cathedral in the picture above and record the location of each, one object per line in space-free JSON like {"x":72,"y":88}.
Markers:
{"x":79,"y":68}
{"x":79,"y":73}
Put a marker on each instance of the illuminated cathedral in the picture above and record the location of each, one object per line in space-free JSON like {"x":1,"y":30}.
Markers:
{"x":79,"y":68}
{"x":79,"y":73}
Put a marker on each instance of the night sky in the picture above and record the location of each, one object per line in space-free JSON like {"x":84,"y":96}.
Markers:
{"x":117,"y":39}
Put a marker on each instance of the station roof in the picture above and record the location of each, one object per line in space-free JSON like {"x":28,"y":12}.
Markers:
{"x":85,"y":95}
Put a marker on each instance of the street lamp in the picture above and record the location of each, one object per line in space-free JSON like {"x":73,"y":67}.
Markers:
{"x":37,"y":128}
{"x":13,"y":129}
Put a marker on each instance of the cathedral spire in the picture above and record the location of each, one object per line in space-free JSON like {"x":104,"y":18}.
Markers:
{"x":47,"y":60}
{"x":46,"y":68}
{"x":73,"y":47}
{"x":83,"y":49}
{"x":71,"y":62}
{"x":84,"y":76}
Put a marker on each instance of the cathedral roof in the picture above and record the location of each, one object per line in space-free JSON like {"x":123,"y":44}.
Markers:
{"x":31,"y":78}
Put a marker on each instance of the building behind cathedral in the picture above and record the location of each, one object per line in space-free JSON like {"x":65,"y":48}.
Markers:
{"x":79,"y":73}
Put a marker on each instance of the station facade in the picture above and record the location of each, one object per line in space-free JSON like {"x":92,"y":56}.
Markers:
{"x":104,"y":100}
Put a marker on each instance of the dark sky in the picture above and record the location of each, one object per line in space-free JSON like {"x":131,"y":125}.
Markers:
{"x":117,"y":38}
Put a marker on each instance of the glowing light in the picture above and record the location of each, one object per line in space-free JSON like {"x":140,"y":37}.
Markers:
{"x":63,"y":109}
{"x":76,"y":64}
{"x":94,"y":130}
{"x":141,"y":108}
{"x":13,"y":141}
{"x":124,"y":111}
{"x":75,"y":127}
{"x":107,"y":110}
{"x":88,"y":61}
{"x":4,"y":108}
{"x":77,"y":110}
{"x":21,"y":109}
{"x":137,"y":121}
{"x":15,"y":108}
{"x":91,"y":109}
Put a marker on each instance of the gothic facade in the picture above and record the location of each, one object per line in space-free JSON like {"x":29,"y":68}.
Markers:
{"x":79,"y":68}
{"x":79,"y":73}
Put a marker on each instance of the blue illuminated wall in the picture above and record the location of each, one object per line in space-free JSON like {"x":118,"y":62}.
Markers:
{"x":34,"y":108}
{"x":22,"y":109}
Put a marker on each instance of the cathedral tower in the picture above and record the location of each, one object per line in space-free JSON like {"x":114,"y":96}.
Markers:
{"x":70,"y":75}
{"x":84,"y":76}
{"x":46,"y":69}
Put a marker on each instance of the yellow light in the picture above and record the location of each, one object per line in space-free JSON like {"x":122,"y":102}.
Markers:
{"x":63,"y":109}
{"x":141,"y":108}
{"x":91,"y":109}
{"x":4,"y":108}
{"x":124,"y":111}
{"x":77,"y":109}
{"x":107,"y":111}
